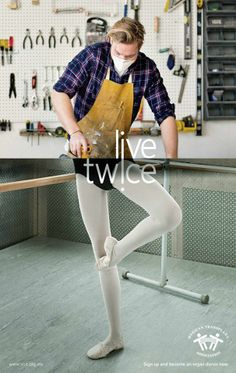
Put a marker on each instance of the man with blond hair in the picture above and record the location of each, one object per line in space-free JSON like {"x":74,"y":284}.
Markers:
{"x":121,"y":55}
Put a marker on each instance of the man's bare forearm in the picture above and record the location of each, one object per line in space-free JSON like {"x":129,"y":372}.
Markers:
{"x":64,"y":110}
{"x":170,"y":137}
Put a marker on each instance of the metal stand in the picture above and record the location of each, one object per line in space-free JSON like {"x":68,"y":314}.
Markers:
{"x":162,"y":284}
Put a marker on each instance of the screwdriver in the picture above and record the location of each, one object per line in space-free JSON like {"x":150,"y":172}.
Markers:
{"x":6,"y":47}
{"x":2,"y":49}
{"x":11,"y":44}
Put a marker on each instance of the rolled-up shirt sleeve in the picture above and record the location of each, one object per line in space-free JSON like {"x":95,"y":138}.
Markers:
{"x":76,"y":74}
{"x":157,"y":97}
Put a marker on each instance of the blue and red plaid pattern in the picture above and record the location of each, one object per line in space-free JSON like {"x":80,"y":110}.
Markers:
{"x":85,"y":73}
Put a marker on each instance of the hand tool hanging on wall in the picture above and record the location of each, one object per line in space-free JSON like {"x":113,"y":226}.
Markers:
{"x":25,"y":97}
{"x":11,"y":48}
{"x":55,"y":9}
{"x":34,"y":99}
{"x":12,"y":85}
{"x":6,"y":50}
{"x":88,"y":13}
{"x":40,"y":36}
{"x":156,"y":24}
{"x":125,"y":8}
{"x":167,"y":6}
{"x":96,"y":30}
{"x":4,"y":124}
{"x":182,"y":72}
{"x":35,"y":2}
{"x":76,"y":37}
{"x":14,"y":4}
{"x":52,"y":38}
{"x":27,"y":36}
{"x":47,"y":105}
{"x":52,"y":74}
{"x":6,"y":47}
{"x":200,"y":5}
{"x":2,"y":51}
{"x":40,"y":127}
{"x":135,"y":5}
{"x":187,"y":30}
{"x":64,"y":35}
{"x":58,"y":68}
{"x":30,"y":130}
{"x":46,"y":73}
{"x":171,"y":57}
{"x":172,"y":4}
{"x":97,"y":13}
{"x":58,"y":72}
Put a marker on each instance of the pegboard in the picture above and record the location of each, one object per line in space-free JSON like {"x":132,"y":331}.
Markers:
{"x":41,"y":17}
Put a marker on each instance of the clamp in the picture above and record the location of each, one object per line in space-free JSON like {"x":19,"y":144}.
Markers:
{"x":40,"y":36}
{"x":12,"y":85}
{"x":76,"y":37}
{"x":52,"y":37}
{"x":64,"y":35}
{"x":27,"y":36}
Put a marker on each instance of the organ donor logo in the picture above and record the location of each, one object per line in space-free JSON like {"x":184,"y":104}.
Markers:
{"x":208,"y":340}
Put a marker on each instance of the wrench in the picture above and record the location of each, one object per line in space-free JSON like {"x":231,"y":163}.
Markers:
{"x":58,"y":72}
{"x":34,"y":99}
{"x":25,"y":98}
{"x":52,"y":72}
{"x":46,"y":73}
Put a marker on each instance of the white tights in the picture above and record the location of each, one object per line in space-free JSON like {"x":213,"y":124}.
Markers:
{"x":164,"y":216}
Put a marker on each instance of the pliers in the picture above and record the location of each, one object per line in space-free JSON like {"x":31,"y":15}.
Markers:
{"x":40,"y":36}
{"x":76,"y":37}
{"x":64,"y":35}
{"x":52,"y":37}
{"x":27,"y":36}
{"x":12,"y":85}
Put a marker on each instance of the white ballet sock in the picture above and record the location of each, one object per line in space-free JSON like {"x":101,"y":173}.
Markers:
{"x":110,"y":285}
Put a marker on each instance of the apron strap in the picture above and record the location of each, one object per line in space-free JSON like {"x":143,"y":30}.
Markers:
{"x":108,"y":75}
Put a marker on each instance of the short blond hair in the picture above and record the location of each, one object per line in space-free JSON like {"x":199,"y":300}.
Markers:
{"x":127,"y":31}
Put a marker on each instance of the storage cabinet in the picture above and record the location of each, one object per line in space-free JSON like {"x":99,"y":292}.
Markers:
{"x":220,"y":59}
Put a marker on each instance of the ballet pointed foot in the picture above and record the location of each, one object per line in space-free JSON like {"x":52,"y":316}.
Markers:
{"x":103,"y":349}
{"x":104,"y":261}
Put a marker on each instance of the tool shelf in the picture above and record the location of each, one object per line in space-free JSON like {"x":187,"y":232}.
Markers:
{"x":38,"y":133}
{"x":219,"y":60}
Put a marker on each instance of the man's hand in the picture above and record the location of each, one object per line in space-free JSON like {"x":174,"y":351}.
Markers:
{"x":76,"y":140}
{"x":170,"y":137}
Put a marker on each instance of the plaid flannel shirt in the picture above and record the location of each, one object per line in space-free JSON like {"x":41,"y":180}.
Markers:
{"x":85,"y":73}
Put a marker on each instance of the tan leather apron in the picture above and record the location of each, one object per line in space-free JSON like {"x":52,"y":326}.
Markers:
{"x":111,"y":111}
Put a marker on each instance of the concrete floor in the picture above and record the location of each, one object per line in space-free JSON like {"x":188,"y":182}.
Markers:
{"x":52,"y":312}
